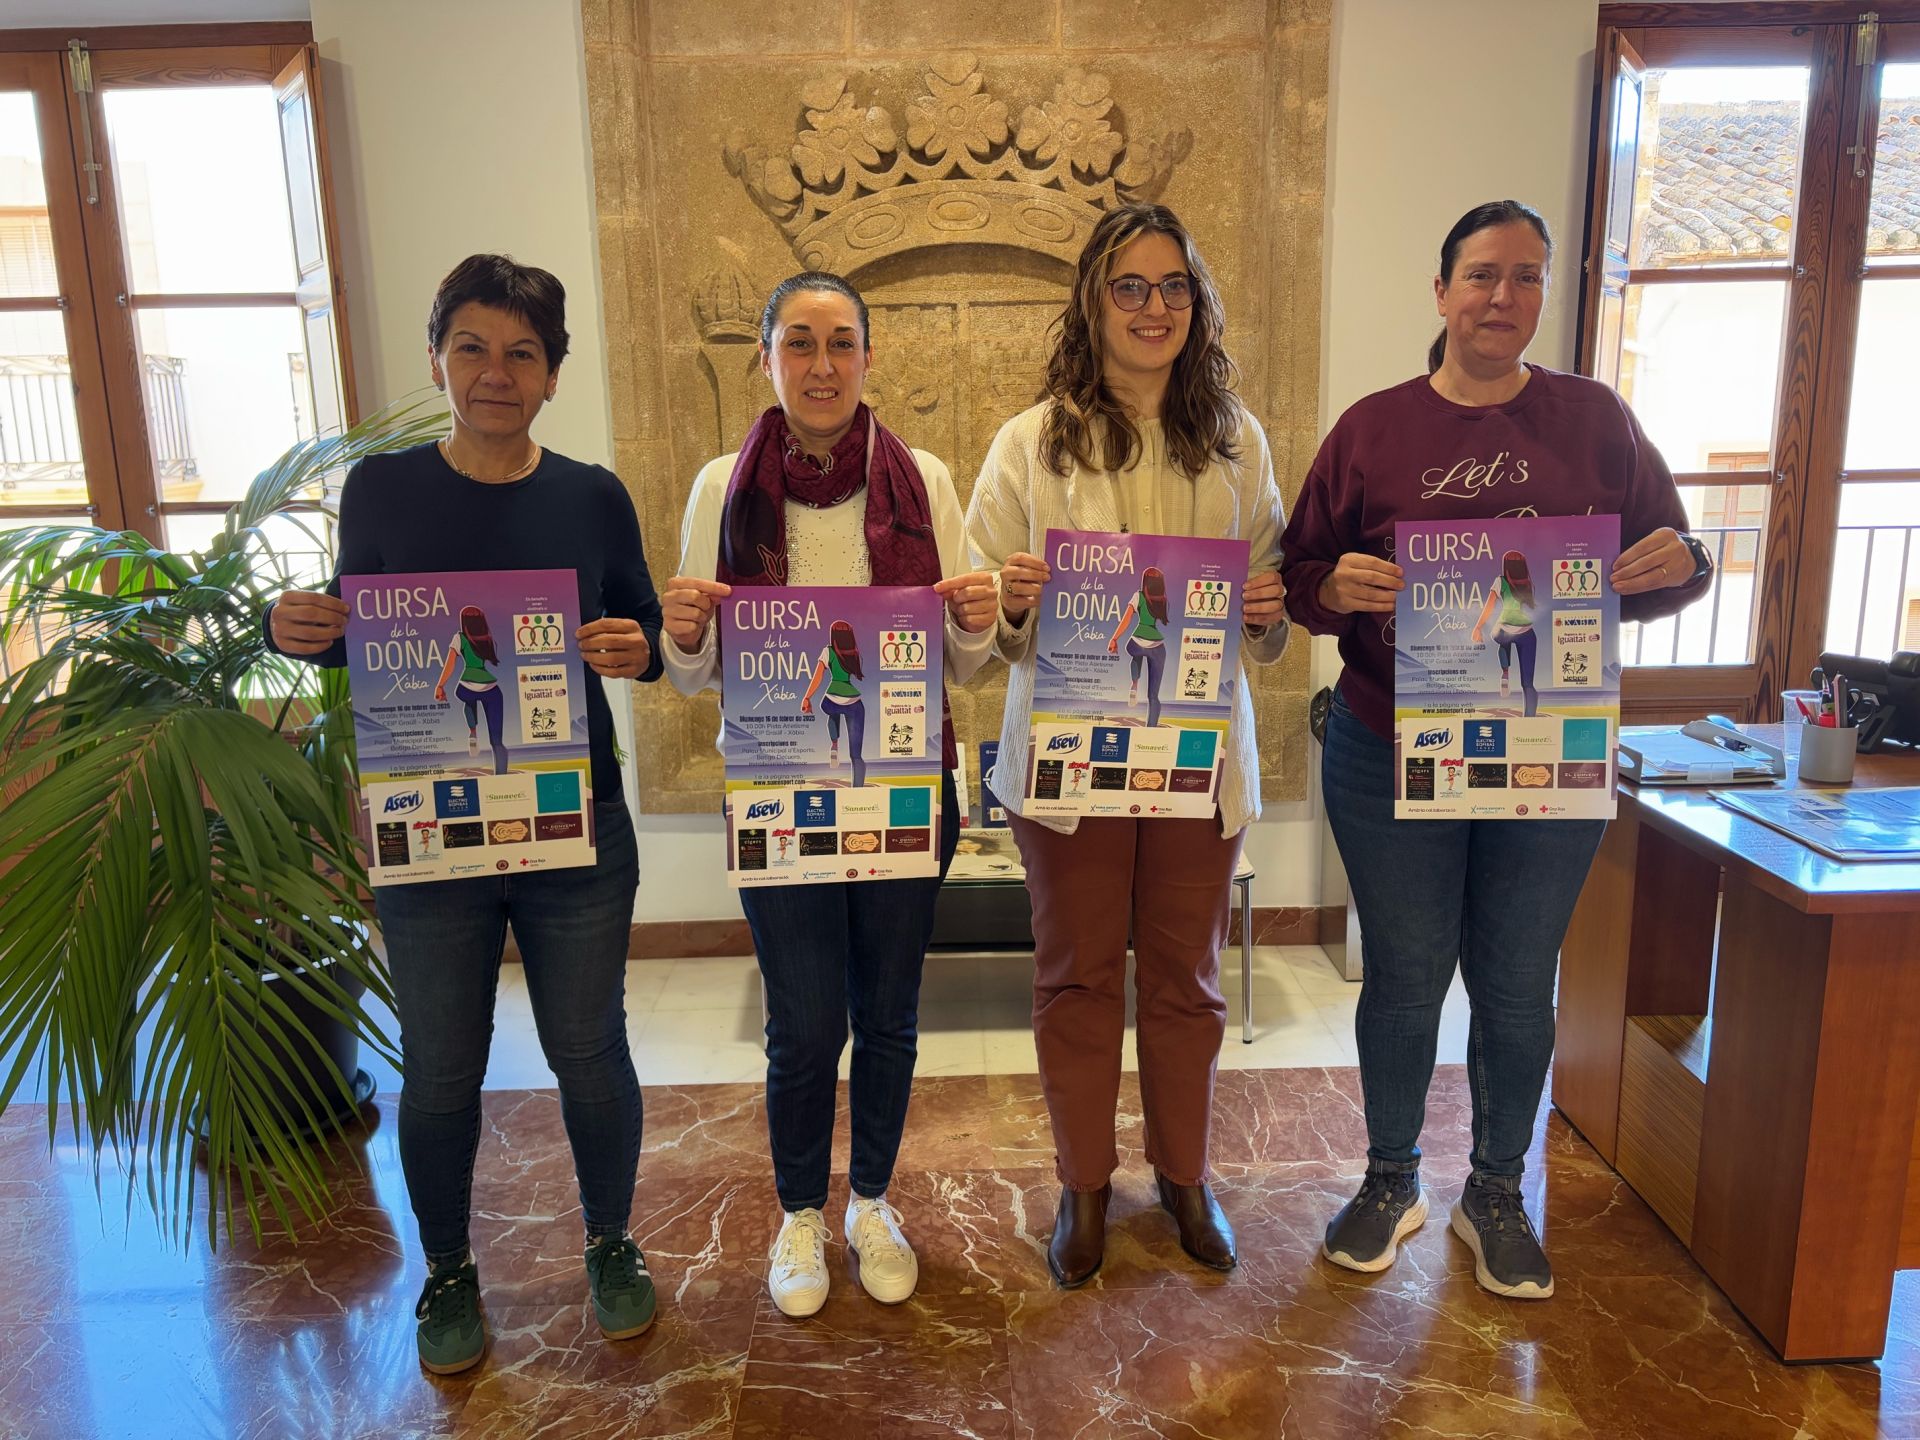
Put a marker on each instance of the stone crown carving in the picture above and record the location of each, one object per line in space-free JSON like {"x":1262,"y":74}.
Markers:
{"x":855,"y":186}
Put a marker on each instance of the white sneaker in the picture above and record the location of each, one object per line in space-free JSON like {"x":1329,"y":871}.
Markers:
{"x":798,"y":1279}
{"x":888,"y":1268}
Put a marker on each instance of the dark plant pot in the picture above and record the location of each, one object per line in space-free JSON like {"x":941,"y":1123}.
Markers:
{"x":310,"y":1083}
{"x":309,"y":1086}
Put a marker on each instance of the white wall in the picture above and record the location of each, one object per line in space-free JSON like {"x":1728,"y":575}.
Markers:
{"x":1435,"y":108}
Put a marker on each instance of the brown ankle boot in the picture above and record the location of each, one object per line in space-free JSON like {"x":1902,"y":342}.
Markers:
{"x":1079,"y":1241}
{"x":1204,"y":1231}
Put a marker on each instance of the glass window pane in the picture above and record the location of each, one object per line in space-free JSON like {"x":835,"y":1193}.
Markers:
{"x":1718,"y":628}
{"x":202,"y":196}
{"x":1883,"y":422}
{"x":1719,"y":164}
{"x":1893,"y":216}
{"x":40,"y":461}
{"x":1699,"y":364}
{"x":26,"y":236}
{"x":1873,"y":605}
{"x":302,"y":545}
{"x":226,"y":392}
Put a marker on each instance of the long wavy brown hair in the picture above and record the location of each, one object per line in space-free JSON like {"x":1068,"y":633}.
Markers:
{"x":1201,"y":415}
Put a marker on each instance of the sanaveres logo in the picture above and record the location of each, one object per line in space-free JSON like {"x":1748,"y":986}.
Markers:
{"x":765,"y":809}
{"x":412,"y":800}
{"x":1063,"y":742}
{"x":1432,"y":739}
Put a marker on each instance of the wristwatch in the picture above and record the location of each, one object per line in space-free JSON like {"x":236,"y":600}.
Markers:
{"x":1702,"y":557}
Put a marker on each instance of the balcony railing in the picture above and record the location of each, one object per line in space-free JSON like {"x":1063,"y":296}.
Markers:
{"x":1714,"y":630}
{"x":40,"y":461}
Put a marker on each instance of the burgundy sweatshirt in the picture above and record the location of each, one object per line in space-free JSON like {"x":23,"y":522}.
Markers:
{"x":1565,"y":445}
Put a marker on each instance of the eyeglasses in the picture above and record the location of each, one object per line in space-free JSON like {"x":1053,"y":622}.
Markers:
{"x":1130,"y":291}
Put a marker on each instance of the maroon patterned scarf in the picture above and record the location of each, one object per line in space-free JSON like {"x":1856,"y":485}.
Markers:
{"x":772,"y":469}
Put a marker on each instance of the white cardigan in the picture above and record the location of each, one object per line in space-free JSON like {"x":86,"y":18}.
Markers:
{"x":1017,"y":500}
{"x":692,"y":672}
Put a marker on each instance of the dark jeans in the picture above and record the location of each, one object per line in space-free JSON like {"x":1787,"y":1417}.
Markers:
{"x":1528,"y":644}
{"x":491,"y":701}
{"x":444,"y":940}
{"x":1492,"y":895}
{"x":855,"y":714}
{"x":1155,"y":657}
{"x":828,"y":952}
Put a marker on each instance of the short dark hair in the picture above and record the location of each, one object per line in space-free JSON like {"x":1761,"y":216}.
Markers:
{"x":502,"y":283}
{"x":1482,"y":217}
{"x":812,"y":280}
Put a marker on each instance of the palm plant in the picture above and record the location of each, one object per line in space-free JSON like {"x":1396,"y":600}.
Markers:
{"x":172,"y":869}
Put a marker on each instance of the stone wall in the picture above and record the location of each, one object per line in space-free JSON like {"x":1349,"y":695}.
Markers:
{"x":950,"y":160}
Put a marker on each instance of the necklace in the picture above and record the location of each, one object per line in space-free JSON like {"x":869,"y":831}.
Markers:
{"x":446,"y":453}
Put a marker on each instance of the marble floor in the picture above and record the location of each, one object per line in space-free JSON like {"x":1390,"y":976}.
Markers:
{"x":106,"y":1332}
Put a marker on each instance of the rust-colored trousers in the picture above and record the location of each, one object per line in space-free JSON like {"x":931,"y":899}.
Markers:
{"x":1169,"y":881}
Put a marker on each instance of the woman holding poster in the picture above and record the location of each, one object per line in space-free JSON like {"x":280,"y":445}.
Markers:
{"x":488,"y":498}
{"x":1140,"y":434}
{"x":1482,"y":435}
{"x":821,"y":493}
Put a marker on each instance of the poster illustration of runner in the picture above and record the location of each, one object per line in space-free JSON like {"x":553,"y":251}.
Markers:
{"x":1507,"y":668}
{"x":469,"y":709}
{"x":1138,"y":653}
{"x":831,"y":731}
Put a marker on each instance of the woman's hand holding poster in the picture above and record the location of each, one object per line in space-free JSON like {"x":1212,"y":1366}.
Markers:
{"x":1138,"y":655}
{"x":832,"y":733}
{"x":470,"y":716}
{"x":1507,"y":668}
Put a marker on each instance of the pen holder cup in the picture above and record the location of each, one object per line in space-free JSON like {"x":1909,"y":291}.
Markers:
{"x":1797,"y":707}
{"x":1826,"y":755}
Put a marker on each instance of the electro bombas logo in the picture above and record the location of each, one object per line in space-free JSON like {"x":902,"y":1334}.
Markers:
{"x":396,"y":804}
{"x":765,"y":809}
{"x":1432,"y":739}
{"x":1063,"y":742}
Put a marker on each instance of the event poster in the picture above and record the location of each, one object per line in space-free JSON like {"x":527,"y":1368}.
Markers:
{"x":469,"y":709}
{"x":831,"y":730}
{"x":1507,"y":668}
{"x":1138,"y":654}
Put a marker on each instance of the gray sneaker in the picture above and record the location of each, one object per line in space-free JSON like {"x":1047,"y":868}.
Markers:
{"x":1367,"y":1232}
{"x":1507,"y":1258}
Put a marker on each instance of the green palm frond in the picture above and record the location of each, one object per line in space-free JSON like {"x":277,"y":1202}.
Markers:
{"x":177,"y":860}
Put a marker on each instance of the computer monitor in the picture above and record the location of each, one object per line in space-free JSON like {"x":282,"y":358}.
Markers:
{"x":1895,"y":685}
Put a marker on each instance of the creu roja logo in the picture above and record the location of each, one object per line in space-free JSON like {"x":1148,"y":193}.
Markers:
{"x":1431,"y":739}
{"x":412,"y":800}
{"x":764,"y":809}
{"x":1063,"y":742}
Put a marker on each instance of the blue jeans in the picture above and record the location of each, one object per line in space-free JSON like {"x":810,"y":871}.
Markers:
{"x":1492,"y":895}
{"x":444,"y":940}
{"x":491,"y":701}
{"x":828,"y":952}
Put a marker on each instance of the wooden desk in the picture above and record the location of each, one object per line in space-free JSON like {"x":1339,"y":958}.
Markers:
{"x":1774,"y":1128}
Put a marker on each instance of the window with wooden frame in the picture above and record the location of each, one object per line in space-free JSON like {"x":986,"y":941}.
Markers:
{"x":1752,"y":287}
{"x":170,"y":313}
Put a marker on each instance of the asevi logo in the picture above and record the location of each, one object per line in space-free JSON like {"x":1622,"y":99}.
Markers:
{"x":400,"y":804}
{"x":1433,"y":739}
{"x":765,"y":809}
{"x":1063,"y":742}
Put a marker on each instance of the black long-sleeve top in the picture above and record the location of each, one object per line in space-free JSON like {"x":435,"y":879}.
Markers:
{"x":409,"y":511}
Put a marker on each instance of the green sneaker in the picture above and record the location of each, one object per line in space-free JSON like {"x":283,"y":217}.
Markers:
{"x":623,"y":1298}
{"x":451,"y":1335}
